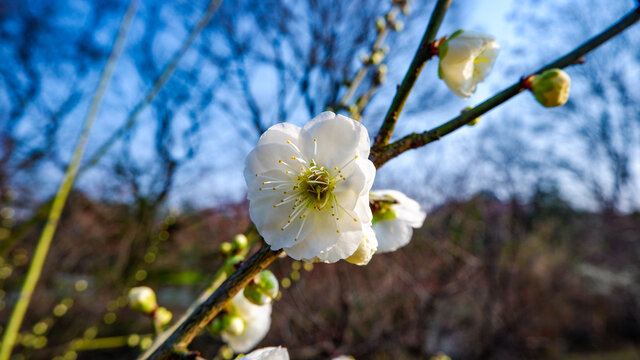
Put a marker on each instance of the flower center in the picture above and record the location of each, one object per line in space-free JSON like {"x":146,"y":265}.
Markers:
{"x":315,"y":185}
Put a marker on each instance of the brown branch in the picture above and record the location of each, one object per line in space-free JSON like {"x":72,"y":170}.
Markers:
{"x":416,"y":140}
{"x":176,"y":339}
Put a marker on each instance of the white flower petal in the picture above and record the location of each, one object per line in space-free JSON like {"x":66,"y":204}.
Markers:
{"x":323,"y":240}
{"x":336,"y":137}
{"x":396,"y":233}
{"x":268,"y":353}
{"x":366,"y":249}
{"x":280,"y":133}
{"x":257,"y":319}
{"x":267,"y":157}
{"x":392,"y":235}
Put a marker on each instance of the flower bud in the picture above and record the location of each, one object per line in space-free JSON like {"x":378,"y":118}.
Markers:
{"x":226,"y":247}
{"x":268,"y":283}
{"x":475,"y":120}
{"x":466,"y":58}
{"x":142,"y":299}
{"x":162,"y":316}
{"x":254,"y":294}
{"x":381,"y":24}
{"x":377,"y":57}
{"x":234,"y":324}
{"x":240,"y":242}
{"x":551,"y":88}
{"x":216,"y":326}
{"x":398,"y":26}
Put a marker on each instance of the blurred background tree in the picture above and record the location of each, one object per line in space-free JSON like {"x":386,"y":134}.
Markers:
{"x":541,"y":266}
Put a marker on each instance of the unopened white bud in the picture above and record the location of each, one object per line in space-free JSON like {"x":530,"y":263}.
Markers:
{"x":142,"y":299}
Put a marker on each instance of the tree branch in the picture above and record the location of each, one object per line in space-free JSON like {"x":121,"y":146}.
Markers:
{"x":180,"y":335}
{"x":424,"y":53}
{"x":416,"y":140}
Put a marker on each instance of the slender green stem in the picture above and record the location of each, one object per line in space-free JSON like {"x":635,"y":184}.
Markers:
{"x":159,"y":83}
{"x":424,"y":53}
{"x":416,"y":140}
{"x":40,"y":254}
{"x":182,"y":333}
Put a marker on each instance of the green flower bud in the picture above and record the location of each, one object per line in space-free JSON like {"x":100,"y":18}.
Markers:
{"x":474,"y":121}
{"x":551,"y":88}
{"x":268,"y":283}
{"x":216,"y":326}
{"x":240,"y":242}
{"x":142,"y":299}
{"x":254,"y":294}
{"x":162,"y":316}
{"x":226,"y":247}
{"x":235,"y":325}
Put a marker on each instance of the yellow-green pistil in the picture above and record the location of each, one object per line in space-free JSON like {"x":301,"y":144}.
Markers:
{"x":315,"y":185}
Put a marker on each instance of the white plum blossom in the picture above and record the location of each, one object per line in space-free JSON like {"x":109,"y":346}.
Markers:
{"x":394,"y":217}
{"x":308,"y":188}
{"x":267,"y":353}
{"x":249,"y":326}
{"x":466,"y":58}
{"x":366,"y":249}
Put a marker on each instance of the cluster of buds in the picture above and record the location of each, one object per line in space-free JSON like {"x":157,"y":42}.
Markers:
{"x":239,"y":243}
{"x":262,"y":289}
{"x":142,"y":299}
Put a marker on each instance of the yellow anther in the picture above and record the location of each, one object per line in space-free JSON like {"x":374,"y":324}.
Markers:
{"x":293,"y":158}
{"x":280,"y":161}
{"x":288,"y":142}
{"x":260,"y":189}
{"x":273,"y":188}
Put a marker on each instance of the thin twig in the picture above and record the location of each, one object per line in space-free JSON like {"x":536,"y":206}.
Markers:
{"x":415,"y":140}
{"x":377,"y":46}
{"x":176,"y":339}
{"x":42,"y":248}
{"x":424,"y":53}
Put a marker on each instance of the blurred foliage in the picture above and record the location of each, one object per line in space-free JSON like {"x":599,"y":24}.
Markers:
{"x":483,"y":279}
